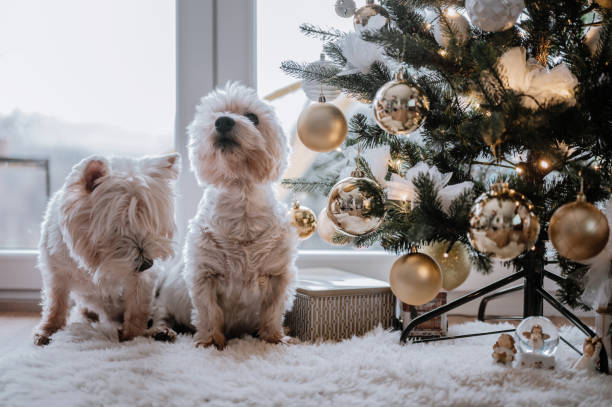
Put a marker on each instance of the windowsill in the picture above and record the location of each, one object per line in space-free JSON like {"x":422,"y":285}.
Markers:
{"x":20,"y":279}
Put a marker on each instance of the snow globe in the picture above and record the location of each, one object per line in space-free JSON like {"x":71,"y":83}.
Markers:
{"x":537,"y":339}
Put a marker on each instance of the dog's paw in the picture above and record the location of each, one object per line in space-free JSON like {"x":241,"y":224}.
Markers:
{"x":289,"y":340}
{"x":205,"y":341}
{"x":41,"y":339}
{"x":164,"y":334}
{"x":274,"y":337}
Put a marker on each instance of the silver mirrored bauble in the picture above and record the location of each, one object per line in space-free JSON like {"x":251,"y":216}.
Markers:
{"x":400,"y":108}
{"x":502,"y":223}
{"x":345,"y":8}
{"x":364,"y":14}
{"x":356,"y":205}
{"x":314,"y":89}
{"x":494,"y":15}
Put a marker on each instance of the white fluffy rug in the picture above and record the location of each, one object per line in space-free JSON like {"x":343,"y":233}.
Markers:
{"x":85,"y":366}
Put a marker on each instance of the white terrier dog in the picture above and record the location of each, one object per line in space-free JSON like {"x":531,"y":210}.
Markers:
{"x":240,"y":248}
{"x":101,"y":234}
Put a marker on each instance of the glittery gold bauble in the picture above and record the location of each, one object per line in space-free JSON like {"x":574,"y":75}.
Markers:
{"x":322,"y":126}
{"x":494,"y":15}
{"x":326,"y":228}
{"x":356,"y":205}
{"x":363,"y":14}
{"x":303,"y":219}
{"x":400,"y":108}
{"x":415,"y":278}
{"x":455,"y":265}
{"x":578,"y":230}
{"x":502,"y":223}
{"x":604,"y":3}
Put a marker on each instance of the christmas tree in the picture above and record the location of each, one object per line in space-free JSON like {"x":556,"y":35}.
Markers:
{"x":520,"y":94}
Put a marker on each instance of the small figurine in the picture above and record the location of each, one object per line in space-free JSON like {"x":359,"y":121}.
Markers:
{"x":536,"y":337}
{"x":504,"y":350}
{"x":590,"y":357}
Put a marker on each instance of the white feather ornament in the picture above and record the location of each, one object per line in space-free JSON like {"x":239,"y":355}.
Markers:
{"x":359,"y":54}
{"x":552,"y":86}
{"x":403,"y":189}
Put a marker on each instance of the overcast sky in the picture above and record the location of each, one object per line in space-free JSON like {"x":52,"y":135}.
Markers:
{"x":108,"y":62}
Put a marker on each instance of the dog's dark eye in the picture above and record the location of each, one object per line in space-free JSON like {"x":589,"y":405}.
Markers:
{"x":253,"y":118}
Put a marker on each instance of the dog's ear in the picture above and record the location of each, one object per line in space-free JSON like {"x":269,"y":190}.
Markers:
{"x":94,"y":170}
{"x":165,"y":166}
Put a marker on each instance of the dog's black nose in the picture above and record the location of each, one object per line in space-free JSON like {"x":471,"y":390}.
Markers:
{"x":145,"y":265}
{"x":224,"y":124}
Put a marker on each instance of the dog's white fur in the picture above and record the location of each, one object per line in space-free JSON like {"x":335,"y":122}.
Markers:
{"x":111,"y":218}
{"x":240,"y":249}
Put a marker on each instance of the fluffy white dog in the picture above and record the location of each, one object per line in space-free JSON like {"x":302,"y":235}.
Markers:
{"x":100,"y":238}
{"x":240,"y":248}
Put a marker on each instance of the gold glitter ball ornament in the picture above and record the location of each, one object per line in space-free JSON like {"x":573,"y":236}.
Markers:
{"x":400,"y":108}
{"x":578,"y":230}
{"x":322,"y":126}
{"x":303,"y":220}
{"x":363,"y":14}
{"x":356,"y":205}
{"x":455,"y":264}
{"x":502,"y":223}
{"x":415,"y":278}
{"x":494,"y":15}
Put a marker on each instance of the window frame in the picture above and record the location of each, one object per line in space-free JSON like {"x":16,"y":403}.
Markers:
{"x":208,"y":54}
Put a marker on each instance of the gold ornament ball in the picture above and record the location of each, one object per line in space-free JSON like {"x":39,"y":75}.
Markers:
{"x":363,"y":14}
{"x":326,"y":228}
{"x":454,"y":265}
{"x":604,"y":3}
{"x":400,"y":108}
{"x":303,"y":220}
{"x":415,"y":278}
{"x":578,"y":230}
{"x":322,"y":127}
{"x":356,"y":205}
{"x":502,"y":223}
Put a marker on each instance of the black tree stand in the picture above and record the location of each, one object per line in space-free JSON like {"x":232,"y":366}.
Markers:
{"x":533,"y":305}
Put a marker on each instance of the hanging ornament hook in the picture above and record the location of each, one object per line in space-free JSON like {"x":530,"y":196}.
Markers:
{"x":358,"y":173}
{"x":581,"y":197}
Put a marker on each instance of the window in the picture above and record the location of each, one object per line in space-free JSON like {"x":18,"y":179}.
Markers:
{"x":78,"y":78}
{"x":278,"y":16}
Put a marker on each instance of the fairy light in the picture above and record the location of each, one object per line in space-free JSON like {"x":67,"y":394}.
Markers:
{"x":544,"y":164}
{"x":451,"y":12}
{"x":442,"y":52}
{"x":445,"y":254}
{"x":519,"y":170}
